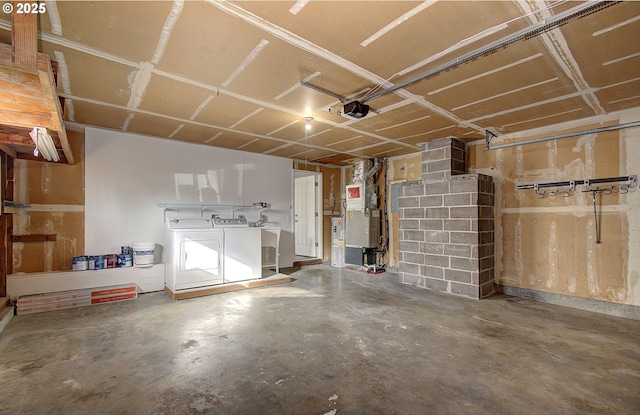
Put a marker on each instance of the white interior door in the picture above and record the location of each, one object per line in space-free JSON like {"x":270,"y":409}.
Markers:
{"x":305,"y":215}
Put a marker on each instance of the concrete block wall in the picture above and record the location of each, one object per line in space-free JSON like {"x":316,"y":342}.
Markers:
{"x":442,"y":159}
{"x":447,"y":225}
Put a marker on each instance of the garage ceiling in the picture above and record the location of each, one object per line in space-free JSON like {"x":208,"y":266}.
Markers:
{"x":229,"y":74}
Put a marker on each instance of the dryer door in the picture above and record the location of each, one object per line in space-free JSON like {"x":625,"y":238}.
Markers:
{"x":201,"y":255}
{"x":199,"y":259}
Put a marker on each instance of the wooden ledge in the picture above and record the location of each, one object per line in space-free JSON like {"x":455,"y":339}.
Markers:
{"x":229,"y":287}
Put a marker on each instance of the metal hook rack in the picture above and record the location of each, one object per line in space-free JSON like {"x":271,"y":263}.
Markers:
{"x":629,"y":184}
{"x":568,"y":188}
{"x":605,"y":190}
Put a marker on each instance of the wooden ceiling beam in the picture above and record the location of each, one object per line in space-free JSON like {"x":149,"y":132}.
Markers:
{"x":29,"y":87}
{"x":49,"y":88}
{"x":16,"y":139}
{"x":8,"y":150}
{"x":31,"y":157}
{"x":24,"y":38}
{"x":24,"y":119}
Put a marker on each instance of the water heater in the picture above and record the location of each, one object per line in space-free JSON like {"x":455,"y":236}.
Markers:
{"x":337,"y":242}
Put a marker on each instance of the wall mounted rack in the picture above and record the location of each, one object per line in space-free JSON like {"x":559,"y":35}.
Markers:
{"x":628,"y":183}
{"x":568,"y":187}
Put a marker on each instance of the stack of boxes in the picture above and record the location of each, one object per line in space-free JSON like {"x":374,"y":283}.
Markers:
{"x":38,"y":303}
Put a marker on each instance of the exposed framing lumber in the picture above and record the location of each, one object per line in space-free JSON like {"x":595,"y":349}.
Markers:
{"x":35,"y":238}
{"x":24,"y":38}
{"x":49,"y":89}
{"x":229,"y":287}
{"x":27,"y":80}
{"x":6,"y":221}
{"x":8,"y":150}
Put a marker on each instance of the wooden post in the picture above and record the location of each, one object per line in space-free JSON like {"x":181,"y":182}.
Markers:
{"x":6,"y":222}
{"x":24,"y":38}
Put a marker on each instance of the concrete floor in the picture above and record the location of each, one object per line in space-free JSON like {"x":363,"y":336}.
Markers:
{"x":332,"y":342}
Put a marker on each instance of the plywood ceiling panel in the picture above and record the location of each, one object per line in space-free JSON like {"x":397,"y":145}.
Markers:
{"x":231,"y":140}
{"x":408,"y":114}
{"x":126,"y":29}
{"x":289,"y":150}
{"x":326,"y":137}
{"x":195,"y":133}
{"x":355,"y":143}
{"x":154,"y":126}
{"x":449,"y":130}
{"x":526,"y":118}
{"x":618,"y":97}
{"x":93,"y":114}
{"x":499,"y":74}
{"x":226,"y":111}
{"x":268,"y":122}
{"x":260,"y":145}
{"x":190,"y":70}
{"x":384,"y":150}
{"x":607,"y":58}
{"x":92,"y":77}
{"x":207,"y":45}
{"x":175,"y":98}
{"x":313,"y":154}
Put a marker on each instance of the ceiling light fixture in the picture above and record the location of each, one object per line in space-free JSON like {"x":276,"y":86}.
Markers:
{"x":44,"y":144}
{"x":308,"y":120}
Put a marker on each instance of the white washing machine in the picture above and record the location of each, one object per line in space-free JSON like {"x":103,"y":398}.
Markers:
{"x":242,"y":249}
{"x":242,"y":254}
{"x":205,"y":252}
{"x":195,"y":257}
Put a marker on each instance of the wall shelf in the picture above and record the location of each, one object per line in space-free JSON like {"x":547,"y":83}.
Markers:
{"x":210,"y":207}
{"x":10,"y":206}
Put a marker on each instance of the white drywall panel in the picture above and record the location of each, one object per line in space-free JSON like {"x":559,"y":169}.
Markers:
{"x":128,"y":175}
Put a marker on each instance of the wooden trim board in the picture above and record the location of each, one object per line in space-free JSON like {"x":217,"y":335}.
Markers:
{"x":229,"y":287}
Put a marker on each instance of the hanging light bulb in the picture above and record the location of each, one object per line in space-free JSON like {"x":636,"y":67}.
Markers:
{"x":308,"y":120}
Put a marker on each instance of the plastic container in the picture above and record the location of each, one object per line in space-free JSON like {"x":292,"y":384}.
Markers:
{"x":80,"y":263}
{"x":125,"y":260}
{"x":111,"y":261}
{"x":96,"y":262}
{"x":143,"y":254}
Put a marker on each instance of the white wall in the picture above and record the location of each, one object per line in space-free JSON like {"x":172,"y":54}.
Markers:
{"x":128,"y":175}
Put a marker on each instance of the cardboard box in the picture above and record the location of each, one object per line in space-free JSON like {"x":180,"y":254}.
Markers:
{"x":71,"y":299}
{"x":54,"y":297}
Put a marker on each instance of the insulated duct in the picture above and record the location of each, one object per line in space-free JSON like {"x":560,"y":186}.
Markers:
{"x":364,"y":170}
{"x":360,"y":170}
{"x":373,"y":170}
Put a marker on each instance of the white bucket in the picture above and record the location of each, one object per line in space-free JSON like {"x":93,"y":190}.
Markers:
{"x":143,"y":254}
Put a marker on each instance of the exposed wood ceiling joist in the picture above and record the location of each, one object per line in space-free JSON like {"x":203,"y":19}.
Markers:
{"x":29,"y":95}
{"x":228,"y":73}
